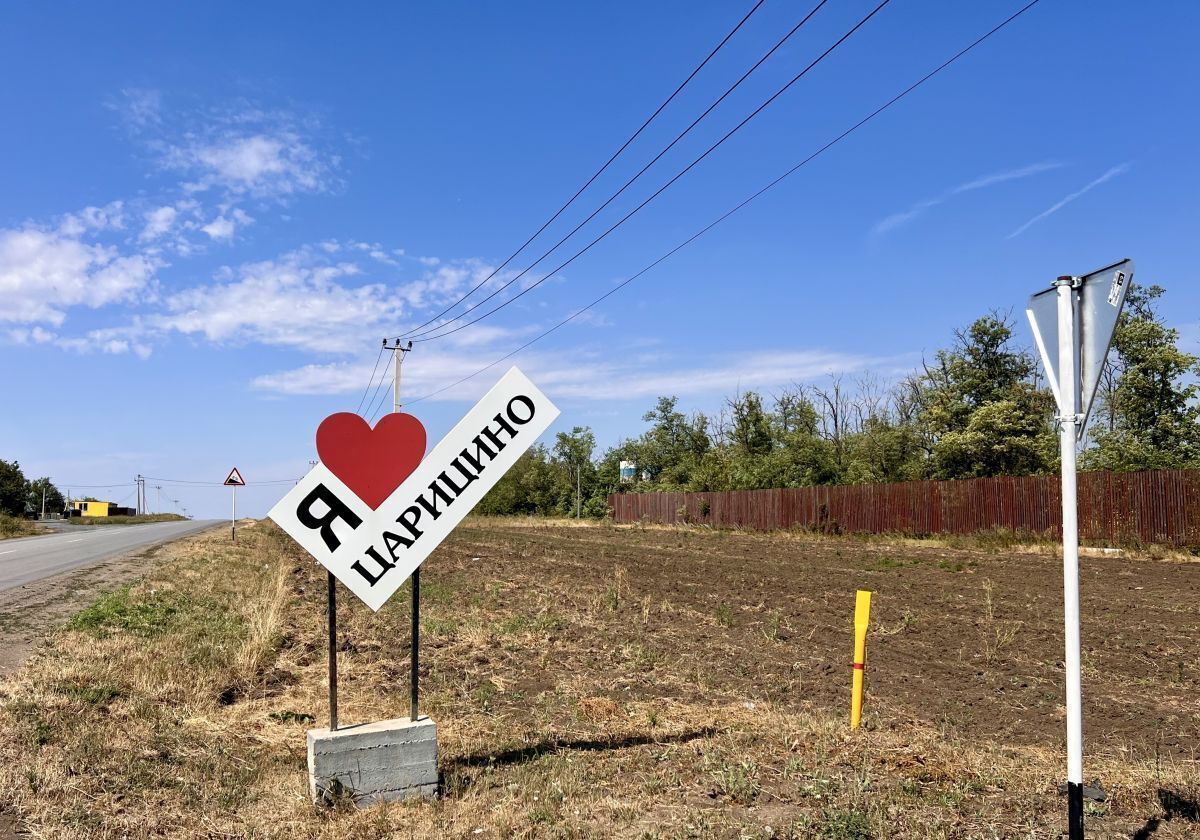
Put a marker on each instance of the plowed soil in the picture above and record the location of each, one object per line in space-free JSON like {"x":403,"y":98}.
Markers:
{"x":970,"y":641}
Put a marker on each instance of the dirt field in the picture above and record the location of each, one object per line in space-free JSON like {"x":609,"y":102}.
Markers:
{"x":592,"y":681}
{"x":967,"y":641}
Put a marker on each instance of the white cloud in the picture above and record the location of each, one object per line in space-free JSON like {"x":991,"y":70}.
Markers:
{"x":114,"y":341}
{"x":159,"y":221}
{"x":90,"y":219}
{"x":896,"y":220}
{"x":43,"y":272}
{"x":140,"y":107}
{"x":581,"y":374}
{"x":37,"y":335}
{"x":288,"y":302}
{"x":224,"y":226}
{"x":1107,"y":176}
{"x":273,"y":162}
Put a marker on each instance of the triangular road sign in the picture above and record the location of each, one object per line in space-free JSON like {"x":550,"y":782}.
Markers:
{"x":1098,"y":298}
{"x":234,"y":479}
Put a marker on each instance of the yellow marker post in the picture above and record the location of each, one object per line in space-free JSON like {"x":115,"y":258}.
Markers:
{"x":862,"y":616}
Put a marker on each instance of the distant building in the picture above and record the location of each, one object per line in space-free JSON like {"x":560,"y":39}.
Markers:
{"x":95,"y":508}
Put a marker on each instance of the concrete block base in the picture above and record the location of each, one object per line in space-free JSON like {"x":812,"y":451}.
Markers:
{"x":374,"y":762}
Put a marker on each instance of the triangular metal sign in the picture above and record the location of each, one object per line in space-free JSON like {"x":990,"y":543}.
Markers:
{"x":1098,"y":298}
{"x":1043,"y":319}
{"x":1101,"y":298}
{"x":234,"y":479}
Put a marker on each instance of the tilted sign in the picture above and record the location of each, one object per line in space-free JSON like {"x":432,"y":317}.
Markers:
{"x":1098,"y":299}
{"x":373,"y":510}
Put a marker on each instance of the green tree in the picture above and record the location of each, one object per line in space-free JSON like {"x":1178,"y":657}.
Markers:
{"x":53,"y":501}
{"x":13,"y":489}
{"x":751,"y":434}
{"x":1147,"y":417}
{"x":671,"y":449}
{"x":981,"y":408}
{"x":528,"y":488}
{"x":574,"y":452}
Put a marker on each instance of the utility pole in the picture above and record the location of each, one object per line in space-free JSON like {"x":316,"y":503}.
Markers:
{"x":44,"y":500}
{"x":398,"y":352}
{"x":158,"y":498}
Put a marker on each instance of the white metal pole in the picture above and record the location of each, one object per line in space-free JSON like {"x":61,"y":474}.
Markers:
{"x":233,"y":516}
{"x":1067,"y":437}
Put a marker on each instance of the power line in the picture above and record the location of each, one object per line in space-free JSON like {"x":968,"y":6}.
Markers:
{"x":70,"y":486}
{"x":653,"y":196}
{"x":374,"y":370}
{"x":184,"y":481}
{"x":746,"y":201}
{"x":378,"y":398}
{"x":607,"y":163}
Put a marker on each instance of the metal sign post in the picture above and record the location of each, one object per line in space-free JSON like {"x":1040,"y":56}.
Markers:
{"x":331,"y":609}
{"x":1073,"y":324}
{"x":234,"y":480}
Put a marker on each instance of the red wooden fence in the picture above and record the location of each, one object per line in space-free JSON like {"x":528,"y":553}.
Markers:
{"x":1160,"y":507}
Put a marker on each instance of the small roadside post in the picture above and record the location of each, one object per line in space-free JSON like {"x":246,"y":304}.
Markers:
{"x":370,"y":511}
{"x":234,"y":480}
{"x":1073,"y":324}
{"x":862,"y":618}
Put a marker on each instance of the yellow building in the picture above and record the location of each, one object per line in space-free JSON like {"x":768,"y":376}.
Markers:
{"x":93,"y":508}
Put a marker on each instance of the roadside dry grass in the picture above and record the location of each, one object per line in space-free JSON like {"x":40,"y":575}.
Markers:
{"x":177,"y":706}
{"x":138,"y":519}
{"x":16,"y":526}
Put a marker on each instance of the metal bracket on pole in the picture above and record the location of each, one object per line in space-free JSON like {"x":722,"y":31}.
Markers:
{"x":1060,"y":419}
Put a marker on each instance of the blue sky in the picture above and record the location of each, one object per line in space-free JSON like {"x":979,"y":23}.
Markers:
{"x":210,"y":216}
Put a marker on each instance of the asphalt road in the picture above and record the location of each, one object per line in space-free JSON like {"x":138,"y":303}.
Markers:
{"x":32,"y":558}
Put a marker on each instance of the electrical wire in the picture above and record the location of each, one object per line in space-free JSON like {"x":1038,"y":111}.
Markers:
{"x":607,"y":163}
{"x":70,"y":486}
{"x":653,"y":196}
{"x":374,"y":370}
{"x":374,"y":411}
{"x":746,"y":201}
{"x":183,"y":481}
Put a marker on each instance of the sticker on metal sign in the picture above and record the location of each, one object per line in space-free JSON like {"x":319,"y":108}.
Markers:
{"x":1116,"y":293}
{"x":234,"y":479}
{"x":376,"y":506}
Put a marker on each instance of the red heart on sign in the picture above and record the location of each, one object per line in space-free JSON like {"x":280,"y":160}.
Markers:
{"x":371,"y":462}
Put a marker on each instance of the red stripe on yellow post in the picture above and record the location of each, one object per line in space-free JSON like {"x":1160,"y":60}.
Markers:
{"x":862,"y":618}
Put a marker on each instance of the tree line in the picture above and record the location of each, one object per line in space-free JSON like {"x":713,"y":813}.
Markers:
{"x":21,"y":496}
{"x":981,"y":407}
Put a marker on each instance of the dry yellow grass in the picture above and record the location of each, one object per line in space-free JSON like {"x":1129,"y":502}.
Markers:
{"x":177,"y":708}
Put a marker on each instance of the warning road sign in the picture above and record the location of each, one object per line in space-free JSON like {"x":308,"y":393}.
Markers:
{"x":234,"y":479}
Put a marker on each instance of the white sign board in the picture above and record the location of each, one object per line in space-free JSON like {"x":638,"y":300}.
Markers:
{"x":1098,"y":298}
{"x":234,"y":479}
{"x":373,"y":551}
